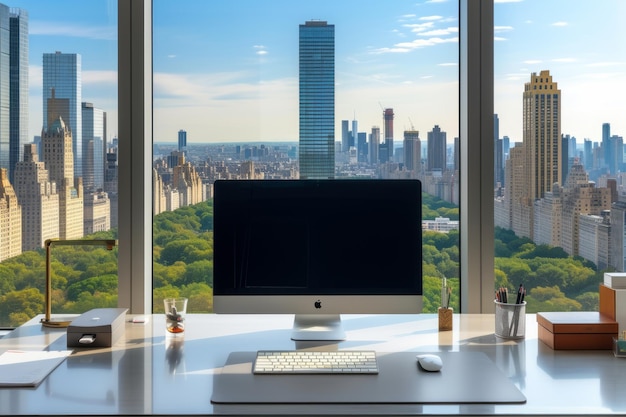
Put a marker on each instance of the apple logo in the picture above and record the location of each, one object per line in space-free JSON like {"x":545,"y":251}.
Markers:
{"x":318,"y":304}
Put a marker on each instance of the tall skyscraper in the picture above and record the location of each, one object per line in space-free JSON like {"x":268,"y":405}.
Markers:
{"x":5,"y":147}
{"x":182,"y":141}
{"x":412,"y":150}
{"x":57,"y":153}
{"x":62,"y":80}
{"x":388,"y":132}
{"x":94,"y":146}
{"x":18,"y":108}
{"x":345,"y":135}
{"x":542,"y":134}
{"x":39,"y":199}
{"x":317,"y":100}
{"x":606,"y":147}
{"x":374,"y":145}
{"x":436,"y":149}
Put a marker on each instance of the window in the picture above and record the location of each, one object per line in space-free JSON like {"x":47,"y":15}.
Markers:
{"x":227,"y":106}
{"x":555,"y":241}
{"x":60,"y":67}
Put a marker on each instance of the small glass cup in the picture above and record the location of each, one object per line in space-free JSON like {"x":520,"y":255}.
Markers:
{"x":175,"y":311}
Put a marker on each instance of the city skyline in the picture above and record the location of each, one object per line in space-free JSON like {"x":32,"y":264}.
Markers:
{"x":377,"y":47}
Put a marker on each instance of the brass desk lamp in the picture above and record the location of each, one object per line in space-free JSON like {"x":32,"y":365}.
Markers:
{"x":47,"y":321}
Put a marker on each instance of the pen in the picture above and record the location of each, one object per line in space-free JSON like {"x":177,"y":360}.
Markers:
{"x":519,"y":294}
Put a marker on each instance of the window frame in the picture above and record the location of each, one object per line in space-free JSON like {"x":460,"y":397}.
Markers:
{"x":476,"y":159}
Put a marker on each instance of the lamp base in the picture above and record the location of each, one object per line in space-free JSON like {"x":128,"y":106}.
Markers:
{"x":58,"y":324}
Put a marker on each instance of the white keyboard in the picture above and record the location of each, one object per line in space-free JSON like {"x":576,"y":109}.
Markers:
{"x":312,"y":362}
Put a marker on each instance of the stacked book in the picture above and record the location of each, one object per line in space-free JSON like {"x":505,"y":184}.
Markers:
{"x":613,"y":298}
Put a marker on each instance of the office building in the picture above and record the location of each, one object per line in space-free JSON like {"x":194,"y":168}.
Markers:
{"x":317,"y":100}
{"x":618,"y":236}
{"x":5,"y":145}
{"x":110,"y":183}
{"x":580,"y":196}
{"x":345,"y":135}
{"x":182,"y":141}
{"x":94,"y":146}
{"x":188,"y":183}
{"x":412,"y":150}
{"x":10,"y":219}
{"x":436,"y":157}
{"x":18,"y":86}
{"x":57,"y":151}
{"x":62,"y":80}
{"x":606,"y":147}
{"x":39,"y":200}
{"x":542,"y":133}
{"x":159,"y":202}
{"x":97,"y":212}
{"x":387,"y":154}
{"x":593,"y":238}
{"x":374,"y":145}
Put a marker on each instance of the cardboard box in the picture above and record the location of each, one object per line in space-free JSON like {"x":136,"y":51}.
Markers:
{"x":613,"y":305}
{"x":100,"y":327}
{"x":577,"y":330}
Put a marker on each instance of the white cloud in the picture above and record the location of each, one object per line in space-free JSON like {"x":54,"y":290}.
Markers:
{"x":559,"y":24}
{"x":430,"y":18}
{"x":500,"y":29}
{"x":73,"y":30}
{"x":440,"y":32}
{"x":499,"y":38}
{"x":532,"y":61}
{"x":564,"y":60}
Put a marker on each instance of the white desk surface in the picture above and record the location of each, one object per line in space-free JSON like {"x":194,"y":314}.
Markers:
{"x":147,"y":373}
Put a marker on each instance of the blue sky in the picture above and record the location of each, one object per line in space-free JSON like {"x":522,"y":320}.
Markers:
{"x":228,"y":70}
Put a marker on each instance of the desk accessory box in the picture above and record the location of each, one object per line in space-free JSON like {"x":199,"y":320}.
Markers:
{"x":100,"y":327}
{"x":615,"y":280}
{"x":577,"y":330}
{"x":613,"y":304}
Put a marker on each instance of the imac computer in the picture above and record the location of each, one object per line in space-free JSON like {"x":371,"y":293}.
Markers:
{"x":317,"y":249}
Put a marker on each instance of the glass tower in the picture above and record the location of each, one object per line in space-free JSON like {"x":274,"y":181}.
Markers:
{"x":4,"y":90}
{"x":94,"y":146}
{"x":18,"y":107}
{"x":62,"y":80}
{"x":317,"y":100}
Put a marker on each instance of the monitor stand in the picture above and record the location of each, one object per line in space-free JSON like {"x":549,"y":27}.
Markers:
{"x":317,"y":327}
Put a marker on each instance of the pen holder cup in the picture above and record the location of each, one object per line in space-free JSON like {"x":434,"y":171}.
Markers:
{"x":445,"y":318}
{"x":510,"y":320}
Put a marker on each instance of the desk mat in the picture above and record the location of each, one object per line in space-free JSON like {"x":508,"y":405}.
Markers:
{"x":466,"y":378}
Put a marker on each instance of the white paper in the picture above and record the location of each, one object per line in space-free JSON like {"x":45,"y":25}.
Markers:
{"x":25,"y":368}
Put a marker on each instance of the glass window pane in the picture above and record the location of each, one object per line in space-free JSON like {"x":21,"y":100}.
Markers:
{"x":559,"y":154}
{"x":233,"y":99}
{"x":58,"y":154}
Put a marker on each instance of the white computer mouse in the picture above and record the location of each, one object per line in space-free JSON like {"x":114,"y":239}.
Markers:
{"x":430,"y":362}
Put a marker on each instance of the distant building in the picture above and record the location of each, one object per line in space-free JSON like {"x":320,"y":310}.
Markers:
{"x":542,"y":134}
{"x":412,"y":150}
{"x":317,"y":100}
{"x":436,"y":142}
{"x":374,"y":144}
{"x":97,"y":212}
{"x":62,"y":79}
{"x":10,"y":219}
{"x":58,"y":156}
{"x":17,"y":74}
{"x":94,"y":146}
{"x":39,"y":200}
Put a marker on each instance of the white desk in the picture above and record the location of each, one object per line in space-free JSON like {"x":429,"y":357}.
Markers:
{"x":147,"y":374}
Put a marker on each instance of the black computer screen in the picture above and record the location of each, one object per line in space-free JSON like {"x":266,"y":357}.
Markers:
{"x":320,"y":237}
